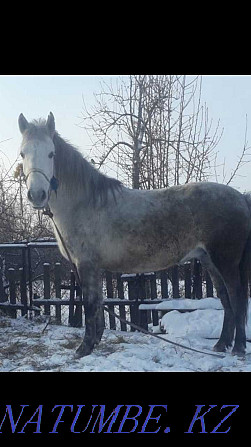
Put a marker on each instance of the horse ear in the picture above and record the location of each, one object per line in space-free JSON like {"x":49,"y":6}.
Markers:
{"x":23,"y":123}
{"x":50,"y":124}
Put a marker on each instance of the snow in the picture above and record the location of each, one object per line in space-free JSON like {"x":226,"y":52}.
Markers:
{"x":39,"y":243}
{"x":184,"y":303}
{"x":35,"y":345}
{"x":204,"y":303}
{"x":12,"y":245}
{"x":42,"y":244}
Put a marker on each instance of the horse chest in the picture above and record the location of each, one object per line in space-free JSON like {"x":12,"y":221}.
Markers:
{"x":81,"y":242}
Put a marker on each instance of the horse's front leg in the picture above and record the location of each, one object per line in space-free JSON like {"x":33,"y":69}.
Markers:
{"x":94,"y":322}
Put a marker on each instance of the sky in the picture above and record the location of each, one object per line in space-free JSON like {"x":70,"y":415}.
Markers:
{"x":228,"y":99}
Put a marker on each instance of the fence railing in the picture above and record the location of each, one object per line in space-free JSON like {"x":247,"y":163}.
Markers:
{"x":54,"y":291}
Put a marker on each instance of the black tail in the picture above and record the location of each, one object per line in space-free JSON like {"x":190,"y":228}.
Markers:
{"x":245,"y":270}
{"x":245,"y":264}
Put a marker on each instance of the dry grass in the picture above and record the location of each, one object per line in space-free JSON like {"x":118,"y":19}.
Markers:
{"x":71,"y":342}
{"x":12,"y":349}
{"x":38,"y":349}
{"x":119,"y":339}
{"x":4,"y":323}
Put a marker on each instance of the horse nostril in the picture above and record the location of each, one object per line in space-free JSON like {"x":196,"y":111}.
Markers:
{"x":36,"y":197}
{"x":43,"y":195}
{"x":29,"y":195}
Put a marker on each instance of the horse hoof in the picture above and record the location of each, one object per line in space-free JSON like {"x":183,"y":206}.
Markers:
{"x":239,"y":352}
{"x":82,"y":351}
{"x":219,"y":347}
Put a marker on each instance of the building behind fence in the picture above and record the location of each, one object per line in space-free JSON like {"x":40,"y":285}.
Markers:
{"x":30,"y":285}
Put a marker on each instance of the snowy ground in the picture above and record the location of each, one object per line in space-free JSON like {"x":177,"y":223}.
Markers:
{"x":32,"y":346}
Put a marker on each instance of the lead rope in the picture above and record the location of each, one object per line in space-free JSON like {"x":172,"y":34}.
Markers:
{"x":48,"y":212}
{"x":145,"y":331}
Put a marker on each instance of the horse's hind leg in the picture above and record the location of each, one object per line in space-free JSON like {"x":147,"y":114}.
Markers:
{"x":234,"y":299}
{"x":238,"y":301}
{"x":227,"y":333}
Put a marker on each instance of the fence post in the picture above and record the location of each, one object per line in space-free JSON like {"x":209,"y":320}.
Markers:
{"x":175,"y":281}
{"x":29,"y":272}
{"x":133,"y":296}
{"x":155,"y":317}
{"x":209,"y":285}
{"x":3,"y":295}
{"x":23,"y":291}
{"x":197,"y":278}
{"x":109,"y":289}
{"x":143,"y":315}
{"x":75,"y":308}
{"x":72,"y":294}
{"x":12,"y":287}
{"x":47,"y":289}
{"x":57,"y":279}
{"x":188,"y":280}
{"x":164,"y":285}
{"x":38,"y":311}
{"x":146,"y":315}
{"x":122,"y":312}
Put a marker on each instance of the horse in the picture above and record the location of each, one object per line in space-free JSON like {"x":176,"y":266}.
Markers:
{"x":107,"y":226}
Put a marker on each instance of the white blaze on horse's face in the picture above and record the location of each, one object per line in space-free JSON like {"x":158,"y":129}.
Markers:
{"x":37,"y":151}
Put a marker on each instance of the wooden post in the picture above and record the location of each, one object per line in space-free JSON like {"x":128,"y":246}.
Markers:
{"x":37,"y":312}
{"x":12,"y":287}
{"x":29,"y":273}
{"x":175,"y":281}
{"x":47,"y":288}
{"x":155,"y":317}
{"x":23,"y":280}
{"x":148,"y":296}
{"x":188,"y":280}
{"x":57,"y":282}
{"x":143,"y":315}
{"x":164,"y":285}
{"x":109,"y":290}
{"x":72,"y":295}
{"x":197,"y":277}
{"x":120,"y":289}
{"x":199,"y":282}
{"x":23,"y":291}
{"x":209,"y":285}
{"x":133,"y":296}
{"x":3,"y":295}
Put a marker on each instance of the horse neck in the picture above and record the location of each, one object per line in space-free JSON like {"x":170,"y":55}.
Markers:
{"x":69,"y":169}
{"x":78,"y":180}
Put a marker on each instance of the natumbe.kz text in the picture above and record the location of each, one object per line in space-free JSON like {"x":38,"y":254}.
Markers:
{"x":126,"y":419}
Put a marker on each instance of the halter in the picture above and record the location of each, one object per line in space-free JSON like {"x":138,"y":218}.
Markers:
{"x":53,"y":182}
{"x":39,"y":171}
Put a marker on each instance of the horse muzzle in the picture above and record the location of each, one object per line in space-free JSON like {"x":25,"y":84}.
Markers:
{"x":38,"y":198}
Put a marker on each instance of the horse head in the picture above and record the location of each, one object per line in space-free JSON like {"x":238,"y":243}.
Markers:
{"x":38,"y":151}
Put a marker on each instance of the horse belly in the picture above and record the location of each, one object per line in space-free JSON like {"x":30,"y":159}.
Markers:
{"x":137,"y":257}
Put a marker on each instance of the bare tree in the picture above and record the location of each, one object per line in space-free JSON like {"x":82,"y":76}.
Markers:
{"x":153,"y":130}
{"x":243,"y":159}
{"x":18,"y":220}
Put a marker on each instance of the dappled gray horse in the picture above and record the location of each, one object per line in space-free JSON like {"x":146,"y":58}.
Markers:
{"x":107,"y":226}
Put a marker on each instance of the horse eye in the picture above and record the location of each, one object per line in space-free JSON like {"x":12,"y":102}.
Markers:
{"x":22,"y":154}
{"x":51,"y":154}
